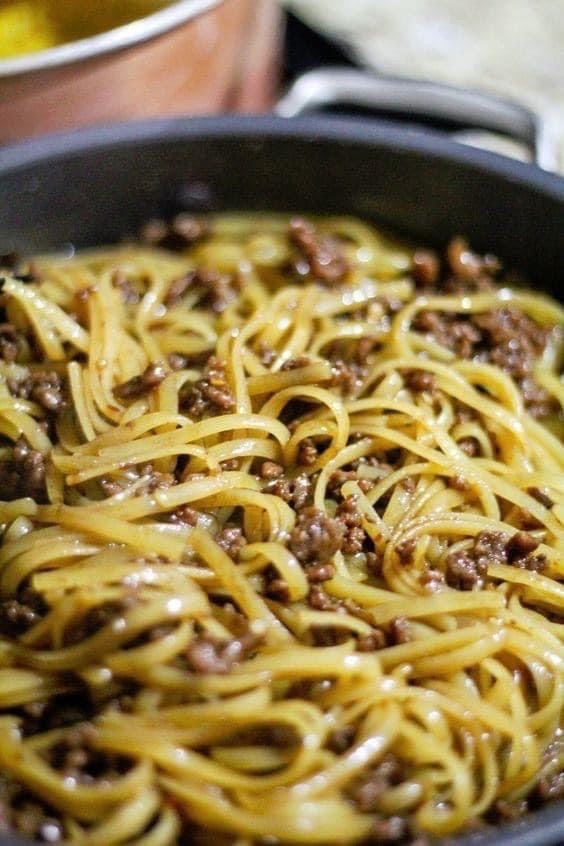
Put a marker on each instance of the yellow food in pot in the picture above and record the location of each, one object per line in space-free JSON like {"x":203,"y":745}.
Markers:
{"x":27,"y":26}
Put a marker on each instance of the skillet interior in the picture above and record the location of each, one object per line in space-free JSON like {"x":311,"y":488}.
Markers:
{"x":97,"y":185}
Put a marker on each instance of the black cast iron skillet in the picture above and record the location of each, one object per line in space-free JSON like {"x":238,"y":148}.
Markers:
{"x":98,"y":185}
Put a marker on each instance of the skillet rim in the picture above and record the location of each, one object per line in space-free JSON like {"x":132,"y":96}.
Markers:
{"x":352,"y":130}
{"x":544,"y":827}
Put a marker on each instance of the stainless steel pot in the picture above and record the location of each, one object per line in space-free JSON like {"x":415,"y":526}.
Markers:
{"x":192,"y":57}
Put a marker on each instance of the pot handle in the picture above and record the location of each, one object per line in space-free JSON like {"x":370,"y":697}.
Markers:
{"x":335,"y":86}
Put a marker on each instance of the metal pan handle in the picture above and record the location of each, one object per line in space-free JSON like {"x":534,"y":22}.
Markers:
{"x":396,"y":95}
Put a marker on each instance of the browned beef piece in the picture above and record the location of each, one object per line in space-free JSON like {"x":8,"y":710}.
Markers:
{"x":185,"y":515}
{"x":467,"y":266}
{"x":232,"y":540}
{"x":210,"y":395}
{"x":320,"y":599}
{"x":347,"y":376}
{"x":206,"y":655}
{"x":178,"y":234}
{"x":419,"y":381}
{"x":315,"y":537}
{"x":214,"y":290}
{"x":520,"y":546}
{"x":23,"y":474}
{"x":453,"y":331}
{"x":468,"y":568}
{"x":275,"y":587}
{"x":399,"y":630}
{"x":506,"y":337}
{"x":296,"y":492}
{"x":374,"y":563}
{"x":317,"y":573}
{"x":320,"y":255}
{"x":45,"y":387}
{"x":350,"y":517}
{"x":371,"y":642}
{"x":271,"y":470}
{"x":20,"y":614}
{"x":425,"y":268}
{"x":338,"y":478}
{"x":458,"y":483}
{"x":513,"y":340}
{"x":138,"y":386}
{"x":464,"y":572}
{"x":307,"y":453}
{"x":11,"y":341}
{"x":432,"y":580}
{"x":406,"y":550}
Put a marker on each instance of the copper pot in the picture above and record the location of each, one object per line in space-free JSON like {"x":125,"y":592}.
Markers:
{"x":193,"y":57}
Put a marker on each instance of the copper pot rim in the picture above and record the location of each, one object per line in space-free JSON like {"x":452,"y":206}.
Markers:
{"x":114,"y":40}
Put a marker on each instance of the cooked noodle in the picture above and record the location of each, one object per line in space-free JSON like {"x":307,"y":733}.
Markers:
{"x":283,"y":539}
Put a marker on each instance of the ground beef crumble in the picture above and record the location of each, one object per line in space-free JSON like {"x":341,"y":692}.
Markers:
{"x":274,"y":587}
{"x":181,"y":232}
{"x":24,"y":474}
{"x":505,"y":337}
{"x":467,"y":569}
{"x":19,"y":615}
{"x":307,"y":453}
{"x":316,"y":537}
{"x":11,"y":342}
{"x":350,"y":518}
{"x":271,"y":470}
{"x":45,"y":387}
{"x":297,"y":492}
{"x":339,"y":477}
{"x":208,"y":656}
{"x":141,"y":385}
{"x":184,"y":515}
{"x":347,"y":376}
{"x":209,"y":395}
{"x":419,"y":381}
{"x":426,"y":268}
{"x":320,"y":255}
{"x":214,"y":290}
{"x":232,"y":540}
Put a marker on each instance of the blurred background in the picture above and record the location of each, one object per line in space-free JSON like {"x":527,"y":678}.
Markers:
{"x":67,"y":63}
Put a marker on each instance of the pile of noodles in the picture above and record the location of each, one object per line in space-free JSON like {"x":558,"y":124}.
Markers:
{"x":469,"y":700}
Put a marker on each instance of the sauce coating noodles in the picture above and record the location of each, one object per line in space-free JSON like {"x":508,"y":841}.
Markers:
{"x":283,"y":539}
